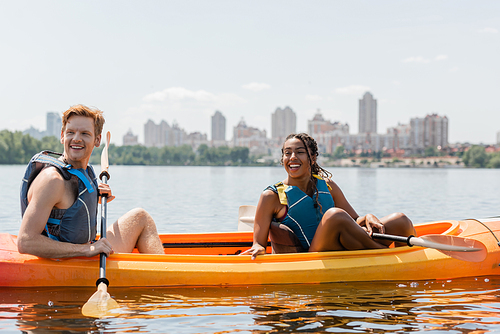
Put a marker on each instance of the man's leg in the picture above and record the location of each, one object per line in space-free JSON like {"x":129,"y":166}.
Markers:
{"x":135,"y":228}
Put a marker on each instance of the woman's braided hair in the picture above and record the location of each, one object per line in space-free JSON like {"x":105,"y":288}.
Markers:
{"x":312,"y":151}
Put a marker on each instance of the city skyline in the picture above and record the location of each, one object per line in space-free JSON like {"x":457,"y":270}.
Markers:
{"x":428,"y":130}
{"x":190,"y":58}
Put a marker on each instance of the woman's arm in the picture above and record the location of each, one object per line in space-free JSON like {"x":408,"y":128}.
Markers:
{"x":266,"y":209}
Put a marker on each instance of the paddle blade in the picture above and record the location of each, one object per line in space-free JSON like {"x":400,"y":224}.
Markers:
{"x":100,"y":304}
{"x":104,"y":154}
{"x":459,"y":248}
{"x":246,"y":215}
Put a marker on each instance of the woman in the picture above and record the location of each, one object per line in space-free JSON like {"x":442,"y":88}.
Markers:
{"x":315,"y":209}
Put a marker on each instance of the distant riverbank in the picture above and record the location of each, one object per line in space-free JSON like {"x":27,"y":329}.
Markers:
{"x":16,"y":148}
{"x":426,"y":162}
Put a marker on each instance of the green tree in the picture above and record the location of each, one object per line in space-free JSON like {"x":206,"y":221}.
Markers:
{"x":239,"y":154}
{"x":51,"y":143}
{"x":430,"y":151}
{"x":494,"y":161}
{"x":12,"y":142}
{"x":339,"y":152}
{"x":202,"y":154}
{"x":475,"y":157}
{"x":30,"y":146}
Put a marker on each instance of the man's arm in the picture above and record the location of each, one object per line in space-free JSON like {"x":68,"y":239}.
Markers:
{"x":47,"y":191}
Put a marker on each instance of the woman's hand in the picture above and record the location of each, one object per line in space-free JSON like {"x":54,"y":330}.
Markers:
{"x":105,"y":190}
{"x":370,"y":224}
{"x":257,"y":249}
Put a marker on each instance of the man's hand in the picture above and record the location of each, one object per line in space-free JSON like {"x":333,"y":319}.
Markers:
{"x":105,"y":190}
{"x":100,"y":246}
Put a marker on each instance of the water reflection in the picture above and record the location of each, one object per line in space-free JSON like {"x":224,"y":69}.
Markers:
{"x":464,"y":305}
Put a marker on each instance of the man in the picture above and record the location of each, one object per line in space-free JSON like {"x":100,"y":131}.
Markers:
{"x":59,"y":200}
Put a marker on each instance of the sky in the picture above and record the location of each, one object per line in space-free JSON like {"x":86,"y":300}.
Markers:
{"x":180,"y":61}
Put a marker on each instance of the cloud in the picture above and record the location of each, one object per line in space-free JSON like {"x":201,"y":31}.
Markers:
{"x":183,"y":95}
{"x":256,"y":86}
{"x":311,"y":97}
{"x":418,"y":59}
{"x":453,"y":69}
{"x":352,"y":90}
{"x":428,"y":18}
{"x":178,"y":94}
{"x":191,"y":109}
{"x":488,"y":31}
{"x":422,"y":60}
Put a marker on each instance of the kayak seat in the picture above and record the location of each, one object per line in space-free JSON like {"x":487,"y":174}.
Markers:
{"x":283,"y":240}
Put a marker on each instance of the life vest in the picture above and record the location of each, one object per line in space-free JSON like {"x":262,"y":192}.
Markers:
{"x":303,"y":214}
{"x":78,"y":223}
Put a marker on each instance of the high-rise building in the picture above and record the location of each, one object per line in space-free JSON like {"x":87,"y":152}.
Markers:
{"x":437,"y":128}
{"x":318,"y":125}
{"x":156,"y":135}
{"x":283,"y":122}
{"x":398,"y":137}
{"x":163,"y":134}
{"x":368,"y":114}
{"x":54,"y":124}
{"x":151,"y":134}
{"x":218,"y":127}
{"x":253,"y":138}
{"x":328,"y":135}
{"x":195,"y":139}
{"x":129,"y":139}
{"x":432,"y":130}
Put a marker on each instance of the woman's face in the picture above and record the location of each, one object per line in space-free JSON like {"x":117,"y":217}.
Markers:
{"x":295,"y":158}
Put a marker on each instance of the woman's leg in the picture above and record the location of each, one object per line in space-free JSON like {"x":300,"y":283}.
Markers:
{"x":135,"y":228}
{"x":338,"y":231}
{"x":397,"y":224}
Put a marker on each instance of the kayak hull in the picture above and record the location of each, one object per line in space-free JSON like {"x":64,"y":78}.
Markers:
{"x":210,"y":259}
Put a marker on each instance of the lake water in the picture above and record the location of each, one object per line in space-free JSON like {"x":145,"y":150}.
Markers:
{"x":189,"y":199}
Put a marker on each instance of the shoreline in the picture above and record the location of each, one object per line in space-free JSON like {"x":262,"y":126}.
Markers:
{"x":427,"y":162}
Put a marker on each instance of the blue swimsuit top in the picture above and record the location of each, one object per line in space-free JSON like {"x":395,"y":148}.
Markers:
{"x":303,"y":214}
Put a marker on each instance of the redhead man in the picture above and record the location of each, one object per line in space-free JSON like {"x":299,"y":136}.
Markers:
{"x":59,"y":200}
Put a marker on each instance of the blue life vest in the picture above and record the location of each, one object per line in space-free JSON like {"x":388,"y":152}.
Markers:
{"x":78,"y":223}
{"x":303,"y":215}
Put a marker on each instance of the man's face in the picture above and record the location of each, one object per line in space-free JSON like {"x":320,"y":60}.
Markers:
{"x":79,"y":140}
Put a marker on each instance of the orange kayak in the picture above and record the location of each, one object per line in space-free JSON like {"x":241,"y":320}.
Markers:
{"x":211,"y":259}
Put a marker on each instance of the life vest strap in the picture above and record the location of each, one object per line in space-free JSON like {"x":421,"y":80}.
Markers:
{"x":281,"y":192}
{"x":82,"y":177}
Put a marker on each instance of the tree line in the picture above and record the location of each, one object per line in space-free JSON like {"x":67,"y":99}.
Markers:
{"x":174,"y":156}
{"x":18,"y":148}
{"x":476,"y":156}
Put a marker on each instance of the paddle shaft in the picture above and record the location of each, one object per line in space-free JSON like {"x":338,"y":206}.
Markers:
{"x":396,"y":238}
{"x":101,"y":302}
{"x":104,"y":209}
{"x":104,"y":176}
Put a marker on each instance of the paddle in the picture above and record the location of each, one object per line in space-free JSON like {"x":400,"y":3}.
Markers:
{"x":101,"y":302}
{"x":456,"y":247}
